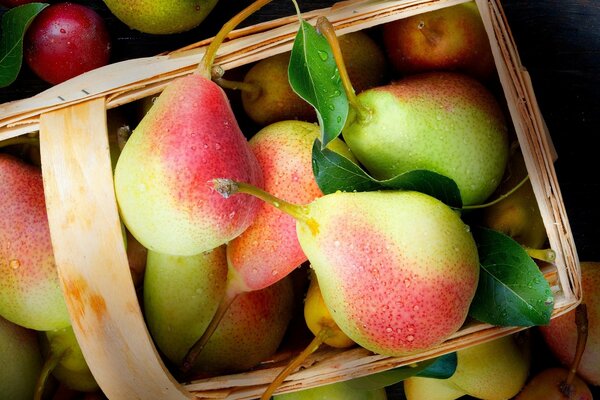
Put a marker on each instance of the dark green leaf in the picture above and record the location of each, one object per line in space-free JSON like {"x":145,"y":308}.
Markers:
{"x":441,"y":368}
{"x":334,"y":172}
{"x":14,"y":25}
{"x":512,"y":290}
{"x":314,"y":76}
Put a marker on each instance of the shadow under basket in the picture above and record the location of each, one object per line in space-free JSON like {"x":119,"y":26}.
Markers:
{"x":86,"y":232}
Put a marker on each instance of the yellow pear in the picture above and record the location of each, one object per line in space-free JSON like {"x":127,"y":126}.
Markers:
{"x":496,"y":370}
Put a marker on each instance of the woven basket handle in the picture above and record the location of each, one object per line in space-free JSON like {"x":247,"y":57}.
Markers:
{"x":90,"y":256}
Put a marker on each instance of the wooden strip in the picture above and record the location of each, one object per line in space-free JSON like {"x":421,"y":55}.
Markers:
{"x":90,"y":256}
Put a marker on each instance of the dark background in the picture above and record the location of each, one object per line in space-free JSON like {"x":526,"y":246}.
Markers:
{"x":559,"y":44}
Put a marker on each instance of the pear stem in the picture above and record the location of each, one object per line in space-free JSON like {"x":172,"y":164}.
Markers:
{"x":500,"y":198}
{"x":581,"y":321}
{"x":20,"y":140}
{"x":194,"y":352}
{"x":228,"y":187}
{"x":430,"y":35}
{"x":204,"y":68}
{"x":252,"y":89}
{"x":327,"y":29}
{"x":49,"y":365}
{"x":547,"y":255}
{"x":295,"y":363}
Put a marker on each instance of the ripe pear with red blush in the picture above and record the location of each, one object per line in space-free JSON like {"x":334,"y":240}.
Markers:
{"x":449,"y":39}
{"x":548,"y":385}
{"x":397,"y":269}
{"x":30,"y":293}
{"x":189,"y":136}
{"x":561,"y":334}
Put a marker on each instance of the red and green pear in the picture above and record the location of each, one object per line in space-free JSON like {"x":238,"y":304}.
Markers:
{"x":269,"y":249}
{"x":30,"y":293}
{"x":450,"y":39}
{"x":397,"y":269}
{"x":445,"y":122}
{"x":561,"y":334}
{"x":188,"y":137}
{"x":20,"y":361}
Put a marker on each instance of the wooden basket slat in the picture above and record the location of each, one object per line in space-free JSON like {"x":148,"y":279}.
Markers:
{"x":90,"y":256}
{"x":118,"y":346}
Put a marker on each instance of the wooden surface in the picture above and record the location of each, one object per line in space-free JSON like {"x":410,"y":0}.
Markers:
{"x":559,"y":44}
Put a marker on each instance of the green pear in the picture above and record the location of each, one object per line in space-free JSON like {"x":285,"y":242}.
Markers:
{"x":187,"y":137}
{"x":71,"y":368}
{"x":495,"y":370}
{"x":444,"y":122}
{"x":30,"y":293}
{"x":268,"y":96}
{"x":397,"y":269}
{"x":20,"y":361}
{"x":161,"y":17}
{"x":517,"y":215}
{"x":334,"y":391}
{"x":451,"y":38}
{"x":181,"y":294}
{"x":549,"y":384}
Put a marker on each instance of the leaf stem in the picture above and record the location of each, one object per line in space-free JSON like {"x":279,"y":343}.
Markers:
{"x":500,"y":198}
{"x":295,"y":363}
{"x":327,"y":30}
{"x":204,"y":68}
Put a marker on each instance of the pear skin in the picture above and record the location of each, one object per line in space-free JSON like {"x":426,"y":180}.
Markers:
{"x":253,"y":326}
{"x":30,"y":293}
{"x":561,"y":334}
{"x":547,"y":385}
{"x":269,"y":249}
{"x":188,"y":137}
{"x":334,"y":391}
{"x":495,"y":370}
{"x":450,"y":39}
{"x":444,"y":122}
{"x":181,"y":294}
{"x":397,"y":269}
{"x":20,"y":361}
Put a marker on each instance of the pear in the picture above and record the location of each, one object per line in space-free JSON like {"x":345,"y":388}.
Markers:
{"x":187,"y":137}
{"x":561,"y":334}
{"x":181,"y":294}
{"x":253,"y":326}
{"x":444,"y":122}
{"x":495,"y":370}
{"x":161,"y":17}
{"x":451,"y":38}
{"x":548,"y":385}
{"x":20,"y":361}
{"x":397,"y":269}
{"x":267,"y":96}
{"x":517,"y":215}
{"x":65,"y":361}
{"x":30,"y":293}
{"x":334,"y":391}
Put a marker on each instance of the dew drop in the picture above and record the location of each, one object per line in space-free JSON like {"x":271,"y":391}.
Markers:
{"x":339,"y":119}
{"x":467,"y":228}
{"x":389,"y":329}
{"x":218,"y":146}
{"x":231,"y":215}
{"x":205,"y":146}
{"x":549,"y":300}
{"x":62,"y":30}
{"x":410,"y":338}
{"x":416,"y":308}
{"x":323,"y":55}
{"x":274,"y":272}
{"x":14,"y":263}
{"x":336,"y":243}
{"x":407,"y":282}
{"x":331,"y":107}
{"x":276,"y":204}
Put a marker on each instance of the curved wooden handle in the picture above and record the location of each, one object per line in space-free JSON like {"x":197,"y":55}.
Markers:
{"x":90,"y":256}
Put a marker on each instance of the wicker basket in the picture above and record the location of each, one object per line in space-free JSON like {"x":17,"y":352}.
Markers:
{"x":87,"y":238}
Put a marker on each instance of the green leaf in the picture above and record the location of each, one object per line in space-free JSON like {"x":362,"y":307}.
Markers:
{"x":512,"y":290}
{"x":441,"y":368}
{"x":14,"y":25}
{"x":334,"y":172}
{"x":314,"y":76}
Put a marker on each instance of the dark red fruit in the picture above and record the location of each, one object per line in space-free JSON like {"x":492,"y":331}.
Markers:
{"x":14,"y":3}
{"x":65,"y":40}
